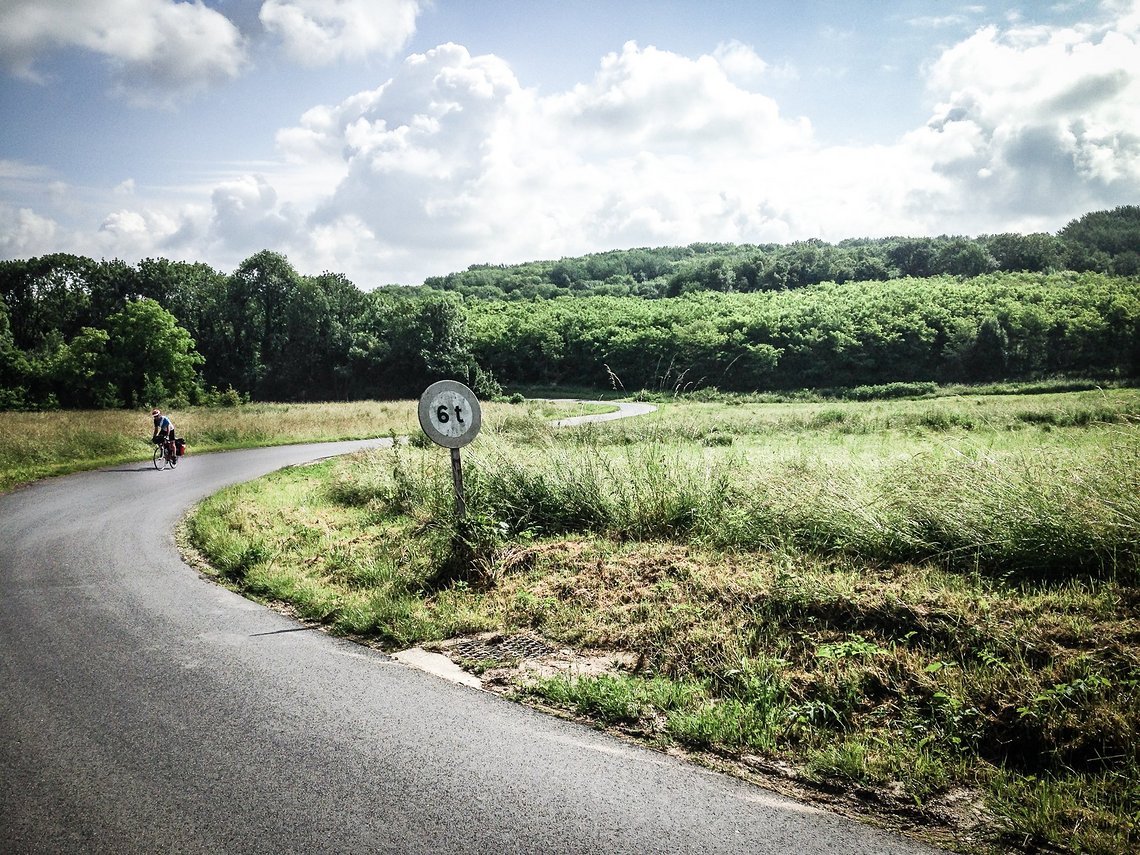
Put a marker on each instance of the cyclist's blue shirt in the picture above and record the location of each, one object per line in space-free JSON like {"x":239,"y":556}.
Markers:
{"x":164,"y":424}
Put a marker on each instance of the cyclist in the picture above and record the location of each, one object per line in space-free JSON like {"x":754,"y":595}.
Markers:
{"x":163,"y":431}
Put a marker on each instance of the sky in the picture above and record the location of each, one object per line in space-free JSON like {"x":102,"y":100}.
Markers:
{"x":392,"y":140}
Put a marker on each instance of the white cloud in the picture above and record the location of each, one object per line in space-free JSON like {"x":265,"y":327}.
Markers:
{"x":246,"y":213}
{"x":741,"y":63}
{"x":24,"y":233}
{"x":126,"y":227}
{"x":937,"y":22}
{"x":319,"y":32}
{"x":453,"y":161}
{"x":645,"y":98}
{"x":1038,"y":120}
{"x":158,"y":48}
{"x":14,"y":169}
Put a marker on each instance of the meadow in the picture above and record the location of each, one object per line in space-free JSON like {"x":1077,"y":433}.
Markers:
{"x":36,"y":445}
{"x":922,"y":610}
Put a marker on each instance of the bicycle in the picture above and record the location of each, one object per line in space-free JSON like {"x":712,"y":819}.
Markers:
{"x":165,"y":454}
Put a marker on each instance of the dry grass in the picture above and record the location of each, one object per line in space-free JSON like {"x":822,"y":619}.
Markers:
{"x":37,"y":445}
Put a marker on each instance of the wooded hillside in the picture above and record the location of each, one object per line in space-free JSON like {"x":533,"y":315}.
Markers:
{"x":75,"y":332}
{"x":1102,"y":242}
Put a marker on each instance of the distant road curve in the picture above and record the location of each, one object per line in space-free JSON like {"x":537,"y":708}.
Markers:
{"x":625,"y":410}
{"x":145,"y":710}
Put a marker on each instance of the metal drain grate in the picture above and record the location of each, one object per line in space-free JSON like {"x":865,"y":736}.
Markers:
{"x":500,"y":649}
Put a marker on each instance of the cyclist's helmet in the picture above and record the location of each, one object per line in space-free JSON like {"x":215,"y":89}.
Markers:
{"x":156,"y":412}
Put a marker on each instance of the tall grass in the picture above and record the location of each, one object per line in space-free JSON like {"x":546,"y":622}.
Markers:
{"x":1033,"y":511}
{"x":35,"y":445}
{"x":976,"y":414}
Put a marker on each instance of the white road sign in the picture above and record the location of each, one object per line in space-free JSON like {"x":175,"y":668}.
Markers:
{"x":449,"y":414}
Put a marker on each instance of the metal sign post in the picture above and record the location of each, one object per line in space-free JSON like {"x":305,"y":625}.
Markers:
{"x":450,"y":416}
{"x":457,"y":478}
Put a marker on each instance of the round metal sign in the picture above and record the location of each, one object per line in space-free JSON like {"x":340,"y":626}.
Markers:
{"x":449,"y":414}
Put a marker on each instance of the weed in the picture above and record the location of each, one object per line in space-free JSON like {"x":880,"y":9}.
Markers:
{"x":1075,"y":812}
{"x":1064,"y":694}
{"x":729,"y":724}
{"x":852,"y":761}
{"x":853,"y":647}
{"x":613,"y":699}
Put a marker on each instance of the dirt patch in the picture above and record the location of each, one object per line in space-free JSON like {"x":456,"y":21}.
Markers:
{"x":506,"y":661}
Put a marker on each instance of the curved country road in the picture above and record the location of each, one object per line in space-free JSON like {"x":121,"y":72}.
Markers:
{"x":145,"y":710}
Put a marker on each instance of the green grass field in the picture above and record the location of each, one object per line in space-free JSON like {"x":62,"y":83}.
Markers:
{"x":930,"y":604}
{"x":40,"y":444}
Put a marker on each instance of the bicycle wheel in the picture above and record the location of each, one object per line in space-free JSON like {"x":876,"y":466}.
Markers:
{"x":159,"y":459}
{"x":173,"y":459}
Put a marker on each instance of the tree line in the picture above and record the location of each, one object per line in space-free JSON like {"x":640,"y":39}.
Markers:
{"x":81,"y":333}
{"x":940,"y":329}
{"x":1101,"y":242}
{"x":75,"y":332}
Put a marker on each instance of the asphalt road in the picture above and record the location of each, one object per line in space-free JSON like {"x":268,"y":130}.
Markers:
{"x":143,"y":709}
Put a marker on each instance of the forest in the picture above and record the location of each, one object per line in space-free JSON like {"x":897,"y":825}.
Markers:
{"x":80,"y":333}
{"x":1103,"y":242}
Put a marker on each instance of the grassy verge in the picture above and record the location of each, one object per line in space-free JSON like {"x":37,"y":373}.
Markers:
{"x":927,"y":609}
{"x":886,"y":391}
{"x":38,"y":445}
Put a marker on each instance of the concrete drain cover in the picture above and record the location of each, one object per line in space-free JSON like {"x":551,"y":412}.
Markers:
{"x":500,"y":649}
